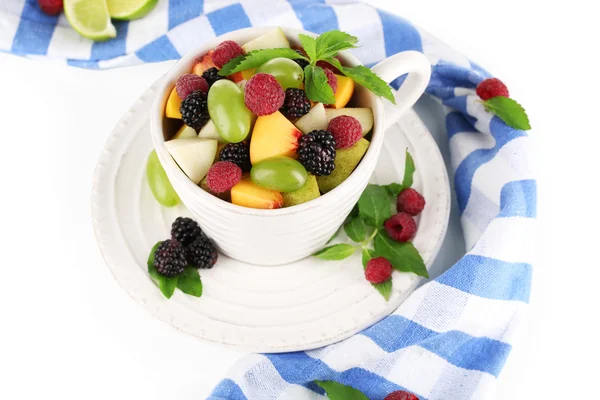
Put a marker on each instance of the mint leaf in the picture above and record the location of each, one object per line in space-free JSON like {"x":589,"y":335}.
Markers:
{"x":367,"y":254}
{"x":374,"y":205}
{"x":356,"y":229}
{"x":189,"y":282}
{"x":409,"y":171}
{"x":316,"y":86}
{"x":394,"y":189}
{"x":328,"y":44}
{"x":166,"y":285}
{"x":384,"y":288}
{"x":336,"y":252}
{"x":338,"y":391}
{"x":309,"y":44}
{"x":509,"y":111}
{"x":257,"y":58}
{"x":366,"y":78}
{"x":403,"y":256}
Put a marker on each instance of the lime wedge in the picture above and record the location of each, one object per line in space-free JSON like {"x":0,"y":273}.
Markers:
{"x":130,"y":9}
{"x":90,"y":18}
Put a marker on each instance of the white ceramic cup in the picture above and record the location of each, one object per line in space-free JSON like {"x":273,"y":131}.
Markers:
{"x":273,"y":237}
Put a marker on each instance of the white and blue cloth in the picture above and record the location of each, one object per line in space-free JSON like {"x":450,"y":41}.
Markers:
{"x":451,"y":337}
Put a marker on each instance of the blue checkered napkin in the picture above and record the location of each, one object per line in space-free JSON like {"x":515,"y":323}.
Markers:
{"x":451,"y":337}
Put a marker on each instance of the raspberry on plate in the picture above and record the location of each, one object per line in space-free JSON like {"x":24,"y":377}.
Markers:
{"x":222,"y":176}
{"x":51,"y":7}
{"x":264,"y":95}
{"x":188,"y":83}
{"x":410,"y":201}
{"x":331,"y":79}
{"x":225,"y":52}
{"x":346,"y":130}
{"x":378,"y":270}
{"x":401,"y":227}
{"x":401,"y":395}
{"x":491,"y":87}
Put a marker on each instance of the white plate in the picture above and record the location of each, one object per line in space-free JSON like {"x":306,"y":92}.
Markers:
{"x":298,"y":306}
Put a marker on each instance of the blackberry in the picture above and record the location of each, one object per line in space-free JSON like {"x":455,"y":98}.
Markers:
{"x":194,"y":110}
{"x":296,"y":103}
{"x":169,"y":258}
{"x":300,"y":61}
{"x":212,"y":75}
{"x":316,"y":151}
{"x":237,"y":153}
{"x":185,"y":230}
{"x":201,"y":253}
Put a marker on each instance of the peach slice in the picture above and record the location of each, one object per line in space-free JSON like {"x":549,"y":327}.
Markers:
{"x":273,"y":135}
{"x":248,"y":194}
{"x":345,"y":89}
{"x":173,"y":105}
{"x":205,"y":62}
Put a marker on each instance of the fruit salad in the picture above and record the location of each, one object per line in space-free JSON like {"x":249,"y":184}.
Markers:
{"x":265,"y":125}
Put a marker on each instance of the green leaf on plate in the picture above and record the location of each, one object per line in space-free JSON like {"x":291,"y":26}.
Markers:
{"x":409,"y":171}
{"x":384,"y":288}
{"x":403,"y":256}
{"x":366,"y":78}
{"x":328,"y":44}
{"x":356,"y":229}
{"x":394,"y":189}
{"x":509,"y":111}
{"x":367,"y":254}
{"x":374,"y":205}
{"x":151,"y":268}
{"x":316,"y":86}
{"x":336,"y":252}
{"x":167,"y":285}
{"x":309,"y":44}
{"x":189,"y":282}
{"x":338,"y":391}
{"x":257,"y":58}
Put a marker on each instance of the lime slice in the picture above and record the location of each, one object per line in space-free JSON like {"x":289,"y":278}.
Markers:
{"x":90,"y":18}
{"x":130,"y":9}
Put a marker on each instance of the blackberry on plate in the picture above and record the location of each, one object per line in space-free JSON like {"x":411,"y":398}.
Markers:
{"x":237,"y":153}
{"x":201,"y":253}
{"x":212,"y":75}
{"x":194,"y":110}
{"x":300,"y":61}
{"x":296,"y":104}
{"x":185,"y":230}
{"x":316,"y":151}
{"x":169,"y":258}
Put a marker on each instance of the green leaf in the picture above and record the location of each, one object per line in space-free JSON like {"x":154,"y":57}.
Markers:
{"x":409,"y":171}
{"x":356,"y":229}
{"x":366,"y":78}
{"x":331,"y":42}
{"x":167,"y":285}
{"x":509,"y":111}
{"x":336,"y":252}
{"x":374,"y":205}
{"x":394,"y":189}
{"x":189,"y":282}
{"x":309,"y":44}
{"x":384,"y":288}
{"x":338,"y":391}
{"x":403,"y":256}
{"x":367,"y":254}
{"x":316,"y":86}
{"x":257,"y":58}
{"x":151,"y":268}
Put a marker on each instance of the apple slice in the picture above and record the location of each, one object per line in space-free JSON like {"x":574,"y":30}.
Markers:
{"x":271,"y":40}
{"x":185,"y":132}
{"x":194,"y":156}
{"x":209,"y":131}
{"x":364,"y":115}
{"x":316,"y":119}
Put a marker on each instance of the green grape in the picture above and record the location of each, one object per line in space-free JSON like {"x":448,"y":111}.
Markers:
{"x":159,"y":182}
{"x":228,"y":112}
{"x":287,"y":72}
{"x":279,"y":173}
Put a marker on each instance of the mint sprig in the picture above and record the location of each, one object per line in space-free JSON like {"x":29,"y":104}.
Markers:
{"x":188,"y":281}
{"x":257,"y":58}
{"x":509,"y":111}
{"x":339,"y":391}
{"x":315,"y":85}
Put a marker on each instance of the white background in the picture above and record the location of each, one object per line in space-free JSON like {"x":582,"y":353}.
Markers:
{"x":67,"y":329}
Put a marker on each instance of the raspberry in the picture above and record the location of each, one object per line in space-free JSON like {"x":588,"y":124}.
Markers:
{"x":264,"y":94}
{"x":169,"y":258}
{"x":194,"y":110}
{"x":378,"y":270}
{"x":401,"y":227}
{"x":410,"y":201}
{"x":300,"y":61}
{"x":212,"y":75}
{"x":185,"y":230}
{"x":237,"y":153}
{"x":201,"y":253}
{"x":346,"y":130}
{"x":188,"y":83}
{"x":401,"y":395}
{"x":331,"y":79}
{"x":222,"y":176}
{"x":225,"y":52}
{"x":325,"y":64}
{"x":51,"y":7}
{"x":296,"y":104}
{"x":491,"y":87}
{"x":316,"y":152}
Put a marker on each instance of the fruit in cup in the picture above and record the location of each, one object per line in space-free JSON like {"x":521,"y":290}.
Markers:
{"x":273,"y":135}
{"x":204,"y":63}
{"x":344,"y":91}
{"x":315,"y":120}
{"x":309,"y":191}
{"x":209,"y":131}
{"x":346,"y":161}
{"x":271,"y":40}
{"x":364,"y":115}
{"x":159,"y":183}
{"x":286,"y":71}
{"x":194,"y":156}
{"x":228,"y":112}
{"x":185,"y":132}
{"x":279,"y":173}
{"x":248,"y":194}
{"x":173,"y":105}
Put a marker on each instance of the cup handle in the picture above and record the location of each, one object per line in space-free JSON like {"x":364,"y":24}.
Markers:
{"x":417,"y":67}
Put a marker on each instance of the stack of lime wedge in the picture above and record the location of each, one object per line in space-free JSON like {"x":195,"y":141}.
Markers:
{"x":91,"y":18}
